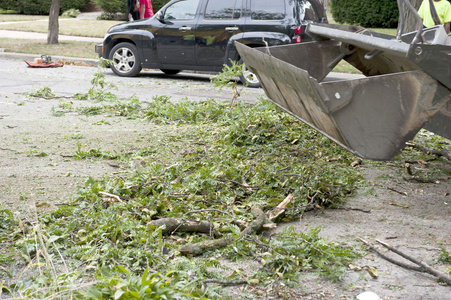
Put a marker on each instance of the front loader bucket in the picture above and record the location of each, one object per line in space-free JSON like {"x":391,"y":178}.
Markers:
{"x":408,"y":87}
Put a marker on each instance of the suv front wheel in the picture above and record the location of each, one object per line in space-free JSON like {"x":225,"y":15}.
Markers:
{"x":248,"y":78}
{"x":125,"y":60}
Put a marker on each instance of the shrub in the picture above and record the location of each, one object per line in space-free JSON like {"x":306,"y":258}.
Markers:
{"x":157,"y":4}
{"x":113,"y":6}
{"x":120,"y":6}
{"x":40,"y":7}
{"x":71,"y":13}
{"x":367,"y":13}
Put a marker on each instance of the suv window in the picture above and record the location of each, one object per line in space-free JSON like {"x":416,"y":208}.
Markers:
{"x":267,"y":10}
{"x":182,"y":10}
{"x":220,"y":9}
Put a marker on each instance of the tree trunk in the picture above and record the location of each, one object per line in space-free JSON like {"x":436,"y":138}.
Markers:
{"x":409,"y":19}
{"x":52,"y":36}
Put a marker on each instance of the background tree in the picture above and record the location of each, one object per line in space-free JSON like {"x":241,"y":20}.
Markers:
{"x":410,"y":22}
{"x":40,"y":7}
{"x":374,"y":14}
{"x":52,"y":36}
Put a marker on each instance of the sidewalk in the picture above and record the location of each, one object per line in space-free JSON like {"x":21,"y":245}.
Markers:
{"x":12,"y":34}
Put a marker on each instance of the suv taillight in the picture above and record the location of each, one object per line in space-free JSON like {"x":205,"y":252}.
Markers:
{"x":297,"y":37}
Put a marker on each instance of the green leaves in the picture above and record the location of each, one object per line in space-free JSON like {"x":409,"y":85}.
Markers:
{"x":445,"y":257}
{"x":211,"y":161}
{"x":150,"y":285}
{"x":217,"y":160}
{"x":294,"y":252}
{"x":44,"y":92}
{"x":229,"y":74}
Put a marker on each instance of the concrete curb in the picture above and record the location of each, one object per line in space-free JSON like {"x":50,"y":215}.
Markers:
{"x":31,"y":57}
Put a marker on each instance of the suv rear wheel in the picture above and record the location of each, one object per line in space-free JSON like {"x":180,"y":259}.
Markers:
{"x":248,"y":78}
{"x":125,"y":59}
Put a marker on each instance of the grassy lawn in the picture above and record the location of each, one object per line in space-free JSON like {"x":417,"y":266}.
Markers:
{"x":38,"y":47}
{"x":77,"y":27}
{"x":5,"y":17}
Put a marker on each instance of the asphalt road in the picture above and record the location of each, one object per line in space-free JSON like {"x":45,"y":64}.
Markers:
{"x":16,"y":77}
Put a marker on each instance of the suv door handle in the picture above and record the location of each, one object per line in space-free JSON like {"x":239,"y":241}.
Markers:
{"x":232,"y":28}
{"x":184,"y":28}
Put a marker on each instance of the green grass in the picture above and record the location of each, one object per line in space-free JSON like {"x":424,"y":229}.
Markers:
{"x":77,"y":27}
{"x":38,"y":47}
{"x":6,"y":17}
{"x":391,"y":31}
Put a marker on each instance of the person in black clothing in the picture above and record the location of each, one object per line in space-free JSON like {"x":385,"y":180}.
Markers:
{"x":133,"y":9}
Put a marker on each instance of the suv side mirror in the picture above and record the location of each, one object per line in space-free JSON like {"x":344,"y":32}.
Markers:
{"x":159,"y":15}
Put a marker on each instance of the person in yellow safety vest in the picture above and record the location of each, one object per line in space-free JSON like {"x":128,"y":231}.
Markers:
{"x":443,"y":9}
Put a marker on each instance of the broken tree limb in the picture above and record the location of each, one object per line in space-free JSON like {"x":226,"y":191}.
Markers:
{"x":442,"y":152}
{"x":396,"y":191}
{"x":178,"y":224}
{"x":420,"y":265}
{"x":424,"y":266}
{"x":116,"y":197}
{"x":202,"y":247}
{"x":257,"y":224}
{"x":279,"y":211}
{"x":426,"y":165}
{"x":389,"y":259}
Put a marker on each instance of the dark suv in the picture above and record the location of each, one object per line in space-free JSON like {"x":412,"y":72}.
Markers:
{"x":200,"y":34}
